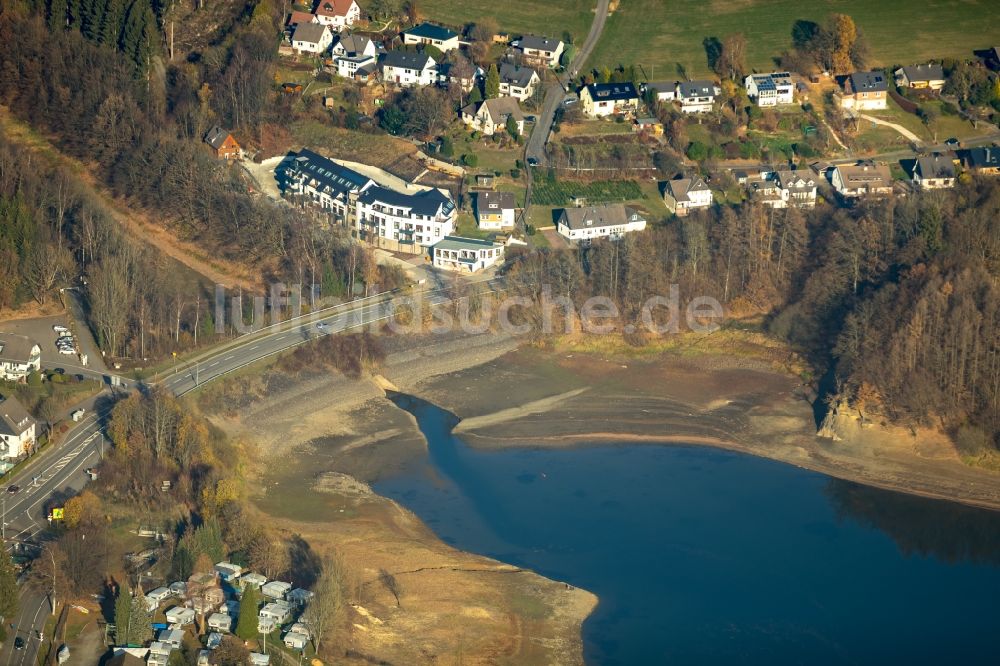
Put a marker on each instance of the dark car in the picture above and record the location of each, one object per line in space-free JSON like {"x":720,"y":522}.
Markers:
{"x":18,"y":643}
{"x":13,"y":489}
{"x":953,"y":142}
{"x":532,"y":161}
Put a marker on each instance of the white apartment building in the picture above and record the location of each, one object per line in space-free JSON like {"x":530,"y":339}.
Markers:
{"x":586,"y":223}
{"x":466,"y":255}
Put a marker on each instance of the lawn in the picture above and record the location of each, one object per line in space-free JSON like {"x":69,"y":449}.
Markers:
{"x":517,"y":16}
{"x":662,"y":36}
{"x":561,"y":192}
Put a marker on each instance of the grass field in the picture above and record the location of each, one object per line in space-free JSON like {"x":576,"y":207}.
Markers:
{"x":561,"y":192}
{"x":549,"y":18}
{"x":662,"y":34}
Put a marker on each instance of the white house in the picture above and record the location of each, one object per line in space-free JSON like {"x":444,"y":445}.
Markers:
{"x":17,"y":429}
{"x":926,"y":77}
{"x":311,"y":38}
{"x":785,"y":189}
{"x":862,"y":179}
{"x":266,"y":625}
{"x":495,"y":210}
{"x":353,"y":45}
{"x":180,"y":615}
{"x":429,"y":34}
{"x":18,"y":357}
{"x":337,"y":13}
{"x":405,"y":68}
{"x":865,"y":91}
{"x":540,"y":50}
{"x":398,"y":221}
{"x":276,"y":589}
{"x":605,"y":99}
{"x":160,"y":648}
{"x":466,"y":255}
{"x":295,"y":641}
{"x":770,"y":89}
{"x":172,"y":637}
{"x":276,"y":611}
{"x":159,"y":595}
{"x":490,"y":116}
{"x":608,"y":221}
{"x":351,"y":67}
{"x":220,"y":622}
{"x":697,"y":96}
{"x":662,"y":91}
{"x":252,"y":579}
{"x":517,"y":81}
{"x":228,"y":571}
{"x":934,"y":172}
{"x":685,"y":194}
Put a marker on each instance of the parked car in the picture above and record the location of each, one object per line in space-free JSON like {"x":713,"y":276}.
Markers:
{"x":60,"y":329}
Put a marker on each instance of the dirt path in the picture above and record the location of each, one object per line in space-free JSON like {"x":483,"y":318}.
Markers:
{"x":899,"y":128}
{"x":136,"y":223}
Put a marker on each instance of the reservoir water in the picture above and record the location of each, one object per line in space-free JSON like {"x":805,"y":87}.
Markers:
{"x":706,"y":556}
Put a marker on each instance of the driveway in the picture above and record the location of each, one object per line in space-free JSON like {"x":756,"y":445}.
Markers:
{"x":899,"y":128}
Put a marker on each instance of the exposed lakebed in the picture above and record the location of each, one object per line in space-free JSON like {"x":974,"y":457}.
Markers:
{"x":702,"y":555}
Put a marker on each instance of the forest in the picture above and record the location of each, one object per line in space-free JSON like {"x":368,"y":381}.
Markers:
{"x":897,"y":298}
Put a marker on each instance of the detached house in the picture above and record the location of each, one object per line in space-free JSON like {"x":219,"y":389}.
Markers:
{"x":17,"y":429}
{"x":491,"y":116}
{"x":311,"y":38}
{"x":355,"y":56}
{"x":517,"y":81}
{"x":770,"y":89}
{"x":933,"y":172}
{"x":605,"y":99}
{"x":862,"y":179}
{"x":540,"y":50}
{"x":920,"y":77}
{"x":697,"y":96}
{"x":585,"y":223}
{"x":495,"y":210}
{"x":785,"y":189}
{"x":984,"y":160}
{"x":404,"y":69}
{"x":865,"y":91}
{"x":337,"y":13}
{"x":428,"y":34}
{"x":18,"y":357}
{"x":223,"y":144}
{"x":661,"y":91}
{"x":683,"y":195}
{"x":466,"y":255}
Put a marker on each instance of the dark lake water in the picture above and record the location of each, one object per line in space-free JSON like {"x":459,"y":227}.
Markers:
{"x":706,"y":556}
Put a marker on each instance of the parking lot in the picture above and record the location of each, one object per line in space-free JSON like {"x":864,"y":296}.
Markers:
{"x":40,"y":330}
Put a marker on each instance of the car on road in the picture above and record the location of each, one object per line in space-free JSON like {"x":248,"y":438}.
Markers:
{"x":532,"y":161}
{"x":321,"y":325}
{"x":13,"y":489}
{"x":18,"y":643}
{"x":953,"y":142}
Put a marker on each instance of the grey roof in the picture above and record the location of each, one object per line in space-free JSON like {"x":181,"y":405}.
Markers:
{"x":935,"y":166}
{"x":15,"y":348}
{"x":984,"y":157}
{"x":516,"y":76}
{"x":406,"y":60}
{"x":431,"y":31}
{"x":309,"y":32}
{"x":502,"y":200}
{"x":462,"y":243}
{"x":680,"y":187}
{"x":702,"y":88}
{"x":216,"y":137}
{"x":498,"y":108}
{"x":330,"y":176}
{"x":539,"y":43}
{"x":428,"y":202}
{"x":790,"y":181}
{"x":924,"y":73}
{"x":865,"y":175}
{"x":869,"y":82}
{"x":14,"y":418}
{"x":608,"y":215}
{"x":354,"y":43}
{"x":612,"y":92}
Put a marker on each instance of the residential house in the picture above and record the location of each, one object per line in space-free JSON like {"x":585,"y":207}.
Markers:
{"x":770,"y":89}
{"x":180,"y":615}
{"x":297,"y":18}
{"x":921,"y":77}
{"x":356,"y":67}
{"x":172,"y":637}
{"x":295,"y":641}
{"x":350,"y":45}
{"x":228,"y":571}
{"x":539,"y":50}
{"x":160,"y":594}
{"x":337,"y":13}
{"x":490,"y":116}
{"x":278,"y":611}
{"x":311,"y":38}
{"x":466,"y":255}
{"x":933,"y":172}
{"x":405,"y":68}
{"x":19,"y":356}
{"x":697,"y":96}
{"x":447,"y":74}
{"x":495,"y":210}
{"x":862,"y":179}
{"x":220,"y":622}
{"x":605,"y":99}
{"x":159,"y":649}
{"x":865,"y":91}
{"x":17,"y":429}
{"x":276,"y":589}
{"x":683,"y":195}
{"x":585,"y":223}
{"x":516,"y":81}
{"x":429,"y":34}
{"x":398,"y":221}
{"x":984,"y":160}
{"x":798,"y":188}
{"x":661,"y":91}
{"x":766,"y":193}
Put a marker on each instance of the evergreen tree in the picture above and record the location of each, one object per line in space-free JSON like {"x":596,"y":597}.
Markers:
{"x":112,"y":23}
{"x":492,"y":82}
{"x":58,"y":10}
{"x":246,"y":625}
{"x":8,"y":587}
{"x":476,"y":95}
{"x":132,"y":622}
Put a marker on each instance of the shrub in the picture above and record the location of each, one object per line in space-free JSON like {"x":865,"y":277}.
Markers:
{"x":697,"y":151}
{"x":34,"y":379}
{"x":470,"y":159}
{"x":971,"y":441}
{"x":515,"y":173}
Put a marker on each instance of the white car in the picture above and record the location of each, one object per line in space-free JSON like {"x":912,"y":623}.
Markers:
{"x":60,"y":329}
{"x":67,"y":350}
